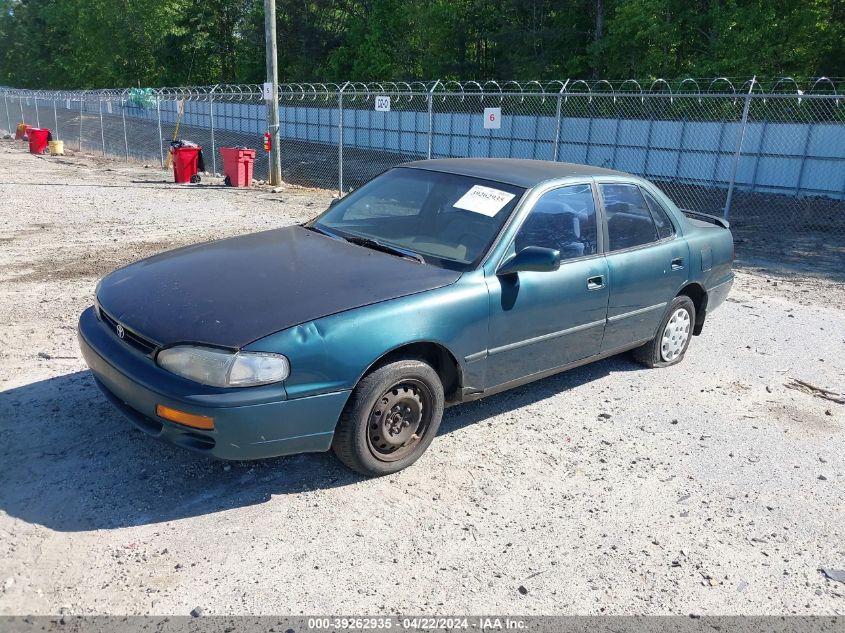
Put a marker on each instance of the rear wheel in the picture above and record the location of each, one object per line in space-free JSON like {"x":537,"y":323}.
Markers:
{"x":673,"y":336}
{"x":392,"y":416}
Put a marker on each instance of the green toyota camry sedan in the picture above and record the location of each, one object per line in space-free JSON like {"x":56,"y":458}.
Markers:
{"x":437,"y":282}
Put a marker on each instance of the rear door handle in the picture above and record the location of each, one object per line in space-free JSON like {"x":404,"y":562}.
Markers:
{"x":678,"y":263}
{"x":594,"y":283}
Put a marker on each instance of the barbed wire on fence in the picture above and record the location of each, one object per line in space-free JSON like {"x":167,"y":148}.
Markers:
{"x":688,"y":86}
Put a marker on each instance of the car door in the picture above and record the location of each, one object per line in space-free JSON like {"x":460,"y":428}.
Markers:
{"x":544,"y":320}
{"x":646,"y":262}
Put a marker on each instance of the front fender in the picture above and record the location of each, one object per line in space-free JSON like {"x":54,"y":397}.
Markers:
{"x":334,"y":352}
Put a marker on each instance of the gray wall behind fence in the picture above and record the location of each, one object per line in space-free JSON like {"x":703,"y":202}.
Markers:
{"x":798,"y":159}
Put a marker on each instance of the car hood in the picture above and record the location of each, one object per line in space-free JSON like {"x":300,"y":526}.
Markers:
{"x":231,"y":292}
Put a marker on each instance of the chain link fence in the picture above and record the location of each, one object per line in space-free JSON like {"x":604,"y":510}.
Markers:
{"x":770,"y":156}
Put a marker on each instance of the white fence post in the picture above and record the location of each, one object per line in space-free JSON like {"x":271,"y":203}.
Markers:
{"x":8,"y":118}
{"x":739,"y":140}
{"x":431,"y":116}
{"x":81,"y":106}
{"x":160,"y":140}
{"x":102,"y":128}
{"x":557,"y":119}
{"x":211,"y":117}
{"x":123,"y":116}
{"x":340,"y":140}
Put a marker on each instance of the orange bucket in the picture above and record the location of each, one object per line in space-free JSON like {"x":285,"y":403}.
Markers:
{"x":22,"y":131}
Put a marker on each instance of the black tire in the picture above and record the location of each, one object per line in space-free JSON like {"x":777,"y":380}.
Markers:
{"x":195,"y":178}
{"x":411,"y":390}
{"x":227,"y":181}
{"x":653,"y":353}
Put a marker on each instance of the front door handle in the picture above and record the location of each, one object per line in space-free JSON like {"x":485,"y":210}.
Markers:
{"x":594,"y":283}
{"x":678,"y":263}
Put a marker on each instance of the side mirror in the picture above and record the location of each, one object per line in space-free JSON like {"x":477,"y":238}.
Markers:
{"x":531,"y":258}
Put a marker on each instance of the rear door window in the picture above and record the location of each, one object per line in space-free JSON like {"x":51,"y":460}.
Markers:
{"x":665,"y":228}
{"x":629,"y":220}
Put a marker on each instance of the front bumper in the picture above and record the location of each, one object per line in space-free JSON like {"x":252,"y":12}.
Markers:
{"x":249,"y":423}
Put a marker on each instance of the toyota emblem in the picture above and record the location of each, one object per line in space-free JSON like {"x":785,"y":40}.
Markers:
{"x":120,"y":331}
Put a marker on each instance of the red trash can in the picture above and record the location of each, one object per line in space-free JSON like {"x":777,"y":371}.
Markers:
{"x":38,"y":138}
{"x":237,"y":166}
{"x":185,"y":161}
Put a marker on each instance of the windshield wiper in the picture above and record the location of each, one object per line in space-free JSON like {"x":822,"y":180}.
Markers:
{"x":369,"y":242}
{"x":322,"y":231}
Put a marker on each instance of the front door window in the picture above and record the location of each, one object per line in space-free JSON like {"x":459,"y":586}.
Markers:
{"x":563,"y":219}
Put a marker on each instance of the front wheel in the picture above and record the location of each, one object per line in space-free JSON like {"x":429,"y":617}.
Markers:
{"x":392,"y":416}
{"x":673,"y":336}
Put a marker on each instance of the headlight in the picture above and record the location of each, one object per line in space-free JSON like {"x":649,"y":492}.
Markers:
{"x":220,"y":368}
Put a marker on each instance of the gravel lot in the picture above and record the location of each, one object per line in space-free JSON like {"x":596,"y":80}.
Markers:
{"x":705,"y":488}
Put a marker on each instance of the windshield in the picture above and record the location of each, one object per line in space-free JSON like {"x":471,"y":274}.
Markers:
{"x":447,"y":219}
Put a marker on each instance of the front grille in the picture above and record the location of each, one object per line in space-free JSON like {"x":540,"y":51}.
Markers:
{"x":129,"y":337}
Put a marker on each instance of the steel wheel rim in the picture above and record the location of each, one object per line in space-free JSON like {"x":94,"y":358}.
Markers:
{"x":675,"y":335}
{"x":399,"y":420}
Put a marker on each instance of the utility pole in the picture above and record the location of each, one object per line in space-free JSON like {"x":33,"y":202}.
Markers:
{"x":273,"y":97}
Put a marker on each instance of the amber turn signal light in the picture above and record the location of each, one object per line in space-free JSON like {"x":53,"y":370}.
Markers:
{"x":188,"y":419}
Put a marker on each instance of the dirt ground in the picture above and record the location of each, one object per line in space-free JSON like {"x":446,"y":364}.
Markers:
{"x":707,"y":488}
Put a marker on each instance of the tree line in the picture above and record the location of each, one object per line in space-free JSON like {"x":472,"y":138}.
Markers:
{"x":118,"y":43}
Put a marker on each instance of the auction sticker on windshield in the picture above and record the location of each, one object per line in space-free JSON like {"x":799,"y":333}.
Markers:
{"x":484,"y":200}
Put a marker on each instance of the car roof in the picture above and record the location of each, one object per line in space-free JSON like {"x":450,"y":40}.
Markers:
{"x":515,"y":171}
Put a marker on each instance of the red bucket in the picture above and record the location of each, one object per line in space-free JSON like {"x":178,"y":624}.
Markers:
{"x":38,"y":138}
{"x":185,"y":160}
{"x":237,"y":165}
